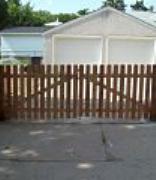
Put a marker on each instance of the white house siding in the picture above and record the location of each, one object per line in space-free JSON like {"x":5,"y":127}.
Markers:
{"x":22,"y":45}
{"x":106,"y":24}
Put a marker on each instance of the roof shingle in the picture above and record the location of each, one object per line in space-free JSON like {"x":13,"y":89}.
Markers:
{"x":26,"y":29}
{"x":147,"y":17}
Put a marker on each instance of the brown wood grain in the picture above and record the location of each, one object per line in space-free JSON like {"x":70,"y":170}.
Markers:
{"x":48,"y":95}
{"x":122,"y":88}
{"x":68,"y":99}
{"x":134,"y":105}
{"x":141,"y":89}
{"x":75,"y":91}
{"x":101,"y":94}
{"x":29,"y":99}
{"x":55,"y":98}
{"x":147,"y":91}
{"x":22,"y":93}
{"x":8,"y":71}
{"x":2,"y":108}
{"x":94,"y":96}
{"x":114,"y":101}
{"x":153,"y":103}
{"x":15,"y":93}
{"x":62,"y":81}
{"x":81,"y":91}
{"x":36,"y":97}
{"x":108,"y":84}
{"x":87,"y":91}
{"x":128,"y":93}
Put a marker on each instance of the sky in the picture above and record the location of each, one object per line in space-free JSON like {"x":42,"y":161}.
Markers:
{"x":69,"y":6}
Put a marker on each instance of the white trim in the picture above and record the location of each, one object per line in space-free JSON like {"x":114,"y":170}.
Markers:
{"x":106,"y":50}
{"x":76,"y":36}
{"x":76,"y":21}
{"x":132,"y":37}
{"x":102,"y":50}
{"x":53,"y":50}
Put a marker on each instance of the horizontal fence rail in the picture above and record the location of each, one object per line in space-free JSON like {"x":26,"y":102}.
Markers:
{"x":43,"y":92}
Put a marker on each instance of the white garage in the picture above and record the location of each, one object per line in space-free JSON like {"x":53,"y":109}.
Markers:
{"x":142,"y":51}
{"x":107,"y":36}
{"x":77,"y":50}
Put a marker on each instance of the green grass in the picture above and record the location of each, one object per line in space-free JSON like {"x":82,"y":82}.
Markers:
{"x":13,"y":61}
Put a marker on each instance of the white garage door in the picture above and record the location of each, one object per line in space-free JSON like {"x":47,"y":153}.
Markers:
{"x":77,"y":50}
{"x":131,"y":51}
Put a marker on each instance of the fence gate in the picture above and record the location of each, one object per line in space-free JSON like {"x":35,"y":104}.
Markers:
{"x":41,"y":92}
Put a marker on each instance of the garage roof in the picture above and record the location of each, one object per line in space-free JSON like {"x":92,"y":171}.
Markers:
{"x":25,"y":30}
{"x":147,"y":19}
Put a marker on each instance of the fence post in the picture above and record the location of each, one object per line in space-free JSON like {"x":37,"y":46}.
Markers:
{"x":153,"y":105}
{"x":1,"y":94}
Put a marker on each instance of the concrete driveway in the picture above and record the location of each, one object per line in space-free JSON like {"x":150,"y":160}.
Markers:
{"x":77,"y":152}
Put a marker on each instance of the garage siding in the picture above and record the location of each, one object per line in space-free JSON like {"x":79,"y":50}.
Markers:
{"x":48,"y":50}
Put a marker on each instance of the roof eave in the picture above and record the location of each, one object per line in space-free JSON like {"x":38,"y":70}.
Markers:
{"x":76,"y":20}
{"x":96,"y":13}
{"x":7,"y":33}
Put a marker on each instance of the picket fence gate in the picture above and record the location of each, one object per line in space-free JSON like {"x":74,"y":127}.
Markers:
{"x":45,"y":92}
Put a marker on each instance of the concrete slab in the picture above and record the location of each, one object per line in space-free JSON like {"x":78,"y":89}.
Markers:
{"x":77,"y":152}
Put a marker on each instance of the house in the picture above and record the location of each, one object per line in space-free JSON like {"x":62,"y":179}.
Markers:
{"x":23,"y":43}
{"x":107,"y":36}
{"x":54,"y":23}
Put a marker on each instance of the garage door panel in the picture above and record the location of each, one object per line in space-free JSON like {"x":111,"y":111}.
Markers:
{"x":131,"y":51}
{"x":77,"y":50}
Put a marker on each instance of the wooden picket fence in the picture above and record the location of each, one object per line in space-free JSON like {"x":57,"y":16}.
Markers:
{"x":44,"y":92}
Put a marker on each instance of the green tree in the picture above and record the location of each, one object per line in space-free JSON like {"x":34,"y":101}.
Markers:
{"x":83,"y":12}
{"x":65,"y":17}
{"x":14,"y":12}
{"x":17,"y":2}
{"x":139,"y":6}
{"x":117,"y":4}
{"x":41,"y":17}
{"x":26,"y":15}
{"x":3,"y":13}
{"x":20,"y":15}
